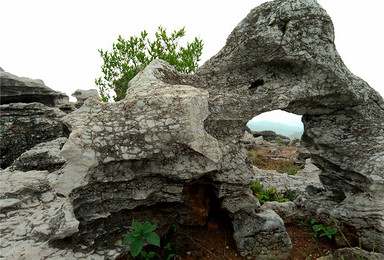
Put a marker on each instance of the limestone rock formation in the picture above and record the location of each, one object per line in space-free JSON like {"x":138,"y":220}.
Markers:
{"x":32,"y":214}
{"x":22,"y":126}
{"x":271,"y":136}
{"x":44,"y":156}
{"x":81,"y":95}
{"x":172,"y":150}
{"x":283,"y":56}
{"x":25,"y":90}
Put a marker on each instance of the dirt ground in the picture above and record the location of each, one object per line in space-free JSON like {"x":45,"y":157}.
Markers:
{"x":214,"y":241}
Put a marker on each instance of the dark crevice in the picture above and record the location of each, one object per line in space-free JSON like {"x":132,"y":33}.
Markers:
{"x":256,"y":83}
{"x":283,"y":25}
{"x":66,"y":131}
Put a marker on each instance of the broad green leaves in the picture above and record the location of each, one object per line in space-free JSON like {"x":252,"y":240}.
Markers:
{"x":139,"y":235}
{"x":129,"y":57}
{"x":320,"y":230}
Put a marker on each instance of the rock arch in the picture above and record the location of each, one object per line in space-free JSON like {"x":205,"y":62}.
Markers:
{"x":187,"y":127}
{"x":127,"y":159}
{"x":302,"y":73}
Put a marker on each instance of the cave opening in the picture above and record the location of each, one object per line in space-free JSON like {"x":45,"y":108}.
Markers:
{"x":204,"y":205}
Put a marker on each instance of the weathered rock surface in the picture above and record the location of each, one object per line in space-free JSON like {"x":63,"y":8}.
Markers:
{"x":171,"y":151}
{"x":81,"y":95}
{"x":283,"y":56}
{"x":284,"y":209}
{"x":269,"y":135}
{"x":31,"y":215}
{"x":353,"y":254}
{"x":44,"y":156}
{"x":22,"y":126}
{"x":25,"y":90}
{"x":300,"y":184}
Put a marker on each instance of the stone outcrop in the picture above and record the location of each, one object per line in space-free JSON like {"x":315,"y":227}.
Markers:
{"x":269,"y":135}
{"x":44,"y":156}
{"x":171,"y":151}
{"x":25,"y":90}
{"x":283,"y":56}
{"x":22,"y":126}
{"x":81,"y":95}
{"x":32,"y":214}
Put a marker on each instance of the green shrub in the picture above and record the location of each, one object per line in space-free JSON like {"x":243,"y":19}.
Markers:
{"x":291,"y":170}
{"x":129,"y":57}
{"x":266,"y":195}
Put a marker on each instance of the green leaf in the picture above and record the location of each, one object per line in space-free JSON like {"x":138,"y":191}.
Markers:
{"x":170,"y":256}
{"x":147,"y":227}
{"x":317,"y":228}
{"x":137,"y":226}
{"x":128,"y":239}
{"x":143,"y":253}
{"x":136,"y":247}
{"x":136,"y":233}
{"x":168,"y":246}
{"x":151,"y":254}
{"x":153,"y":239}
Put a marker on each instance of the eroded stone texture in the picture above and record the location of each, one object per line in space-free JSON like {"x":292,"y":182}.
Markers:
{"x":22,"y":126}
{"x":32,"y":215}
{"x":283,"y":56}
{"x":81,"y":95}
{"x":44,"y":156}
{"x":170,"y":152}
{"x":151,"y":149}
{"x":25,"y":90}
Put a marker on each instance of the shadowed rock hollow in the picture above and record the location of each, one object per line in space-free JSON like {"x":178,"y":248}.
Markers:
{"x":170,"y":152}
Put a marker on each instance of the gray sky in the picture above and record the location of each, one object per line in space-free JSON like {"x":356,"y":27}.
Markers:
{"x":57,"y":41}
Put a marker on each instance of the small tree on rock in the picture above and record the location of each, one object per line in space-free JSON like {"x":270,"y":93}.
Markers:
{"x":129,"y":57}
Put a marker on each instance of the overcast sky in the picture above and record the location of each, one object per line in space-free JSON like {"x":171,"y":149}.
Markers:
{"x":57,"y":41}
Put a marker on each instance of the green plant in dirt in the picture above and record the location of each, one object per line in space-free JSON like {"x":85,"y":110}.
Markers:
{"x":168,"y":248}
{"x":320,"y":230}
{"x":175,"y":227}
{"x":290,"y":195}
{"x":129,"y":57}
{"x":139,"y":235}
{"x":263,"y":195}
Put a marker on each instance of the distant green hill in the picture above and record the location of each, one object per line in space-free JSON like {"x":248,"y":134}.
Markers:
{"x":294,"y":130}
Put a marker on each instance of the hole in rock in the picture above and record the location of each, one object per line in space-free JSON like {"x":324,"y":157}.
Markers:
{"x":256,"y":83}
{"x":274,"y":142}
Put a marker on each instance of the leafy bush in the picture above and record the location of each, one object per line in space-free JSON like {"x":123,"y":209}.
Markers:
{"x":129,"y":57}
{"x":139,"y":235}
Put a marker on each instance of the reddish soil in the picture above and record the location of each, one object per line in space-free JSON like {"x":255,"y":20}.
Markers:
{"x":305,"y":246}
{"x":214,"y":242}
